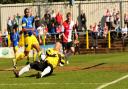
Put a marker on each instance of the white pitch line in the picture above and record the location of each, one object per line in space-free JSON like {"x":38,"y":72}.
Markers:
{"x":21,"y":84}
{"x":113,"y":82}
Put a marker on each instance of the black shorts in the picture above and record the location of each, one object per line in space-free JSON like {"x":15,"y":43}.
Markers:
{"x":67,"y":45}
{"x":40,"y":66}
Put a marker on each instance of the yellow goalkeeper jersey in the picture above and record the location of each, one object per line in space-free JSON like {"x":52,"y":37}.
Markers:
{"x":53,"y":57}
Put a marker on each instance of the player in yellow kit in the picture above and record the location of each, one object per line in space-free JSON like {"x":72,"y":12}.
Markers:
{"x":29,"y":37}
{"x":47,"y":63}
{"x":19,"y":54}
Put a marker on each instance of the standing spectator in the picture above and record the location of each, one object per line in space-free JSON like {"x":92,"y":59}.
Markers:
{"x":37,"y":22}
{"x":53,"y":14}
{"x":117,"y":19}
{"x":105,"y":31}
{"x":5,"y":33}
{"x":10,"y":25}
{"x":42,"y":33}
{"x":47,"y":19}
{"x":100,"y":30}
{"x":114,"y":15}
{"x":94,"y":35}
{"x":59,"y":18}
{"x":126,"y":19}
{"x":53,"y":30}
{"x":18,"y":17}
{"x":0,"y":39}
{"x":108,"y":19}
{"x":15,"y":23}
{"x":67,"y":36}
{"x":53,"y":17}
{"x":124,"y":31}
{"x":76,"y":40}
{"x":58,"y":31}
{"x":76,"y":26}
{"x":83,"y":21}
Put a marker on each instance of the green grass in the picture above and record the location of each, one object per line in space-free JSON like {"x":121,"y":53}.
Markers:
{"x":85,"y":76}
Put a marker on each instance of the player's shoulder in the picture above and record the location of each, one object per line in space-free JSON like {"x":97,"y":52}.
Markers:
{"x":24,"y":18}
{"x":65,"y":23}
{"x":32,"y":17}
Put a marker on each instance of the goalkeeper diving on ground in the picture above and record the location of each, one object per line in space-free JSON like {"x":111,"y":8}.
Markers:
{"x":47,"y":62}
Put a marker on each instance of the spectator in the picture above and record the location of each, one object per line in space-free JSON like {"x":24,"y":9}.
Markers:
{"x":18,"y":17}
{"x":42,"y":33}
{"x":83,"y":21}
{"x":76,"y":40}
{"x":53,"y":30}
{"x":100,"y":30}
{"x":53,"y":14}
{"x":124,"y":31}
{"x":105,"y":31}
{"x":5,"y":33}
{"x":94,"y":35}
{"x":15,"y":23}
{"x":126,"y":19}
{"x":108,"y":19}
{"x":37,"y":22}
{"x":10,"y":25}
{"x":59,"y":18}
{"x":118,"y":18}
{"x":47,"y":19}
{"x":58,"y":31}
{"x":76,"y":26}
{"x":0,"y":39}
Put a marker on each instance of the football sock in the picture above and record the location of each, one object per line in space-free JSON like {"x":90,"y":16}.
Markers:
{"x":14,"y":62}
{"x":67,"y":55}
{"x":34,"y":56}
{"x":39,"y":54}
{"x":24,"y":69}
{"x":46,"y":71}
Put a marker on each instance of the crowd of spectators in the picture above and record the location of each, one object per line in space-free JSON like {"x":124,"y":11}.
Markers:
{"x":111,"y":23}
{"x":52,"y":22}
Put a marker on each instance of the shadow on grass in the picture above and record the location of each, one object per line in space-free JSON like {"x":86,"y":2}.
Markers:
{"x":93,"y":66}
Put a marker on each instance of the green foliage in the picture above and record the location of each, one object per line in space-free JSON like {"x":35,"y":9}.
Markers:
{"x":57,"y":0}
{"x":15,"y":1}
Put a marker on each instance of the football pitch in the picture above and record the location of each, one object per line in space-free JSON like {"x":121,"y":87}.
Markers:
{"x":90,"y":71}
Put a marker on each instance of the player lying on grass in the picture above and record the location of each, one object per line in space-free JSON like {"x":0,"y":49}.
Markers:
{"x":47,"y":64}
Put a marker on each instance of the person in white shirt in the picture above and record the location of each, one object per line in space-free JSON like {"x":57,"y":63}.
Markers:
{"x":124,"y":31}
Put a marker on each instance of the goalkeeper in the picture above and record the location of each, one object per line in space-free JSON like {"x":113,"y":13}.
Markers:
{"x":47,"y":63}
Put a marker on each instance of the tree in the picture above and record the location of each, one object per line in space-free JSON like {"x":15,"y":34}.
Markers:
{"x":57,"y":0}
{"x":15,"y":1}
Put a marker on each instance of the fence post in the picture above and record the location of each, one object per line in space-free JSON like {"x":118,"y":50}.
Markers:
{"x":87,"y":40}
{"x":109,"y":40}
{"x":121,"y":20}
{"x":0,"y":18}
{"x":39,"y":9}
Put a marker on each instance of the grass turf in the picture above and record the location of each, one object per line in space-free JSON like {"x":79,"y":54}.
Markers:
{"x":83,"y":72}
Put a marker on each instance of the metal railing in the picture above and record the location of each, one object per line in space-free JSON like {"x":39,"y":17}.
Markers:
{"x":94,"y":10}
